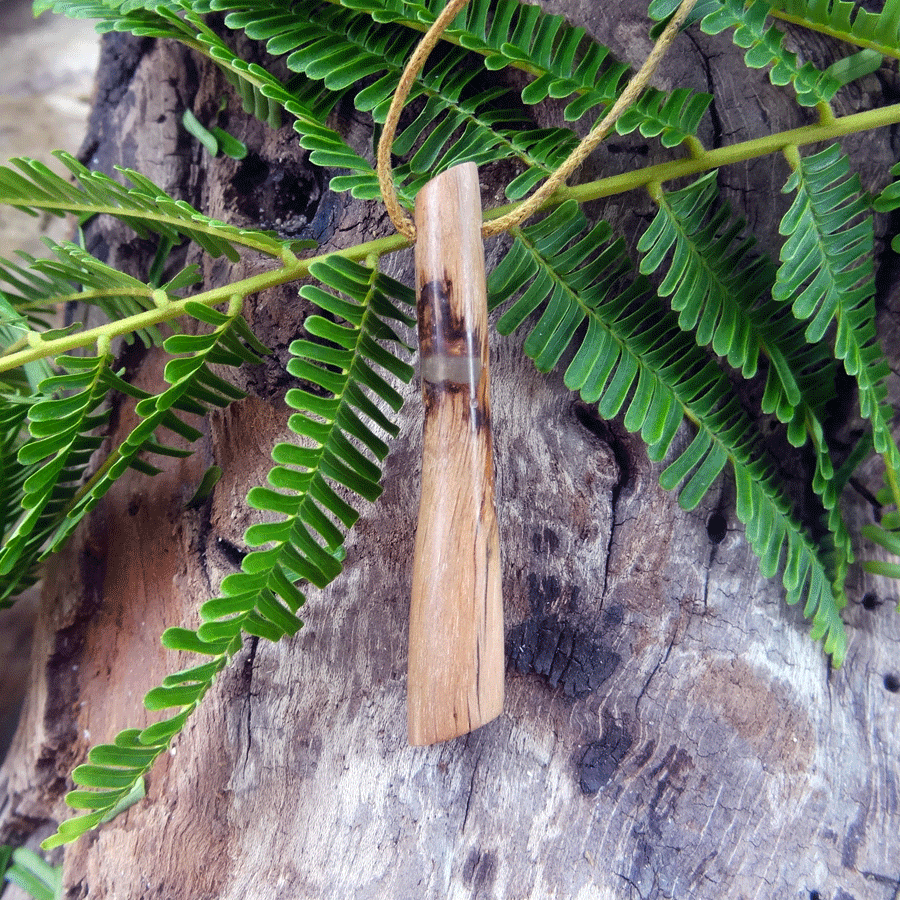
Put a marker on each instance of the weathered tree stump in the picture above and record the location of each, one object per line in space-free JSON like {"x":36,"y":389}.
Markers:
{"x":670,"y":731}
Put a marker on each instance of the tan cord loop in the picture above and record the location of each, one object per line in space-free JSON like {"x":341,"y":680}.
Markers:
{"x":404,"y":224}
{"x":529,"y":207}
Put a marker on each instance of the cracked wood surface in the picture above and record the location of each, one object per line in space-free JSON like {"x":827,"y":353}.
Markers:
{"x":669,"y":729}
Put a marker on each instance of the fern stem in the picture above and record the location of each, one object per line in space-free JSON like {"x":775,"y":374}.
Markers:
{"x":725,"y":156}
{"x":291,"y":271}
{"x":826,"y":113}
{"x":295,"y":269}
{"x":706,"y":160}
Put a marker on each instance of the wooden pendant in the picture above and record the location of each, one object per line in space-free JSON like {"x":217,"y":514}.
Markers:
{"x":456,"y":652}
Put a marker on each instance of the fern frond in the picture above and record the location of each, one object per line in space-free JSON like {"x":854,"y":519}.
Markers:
{"x":193,"y":388}
{"x":563,"y":60}
{"x":13,"y":415}
{"x":261,"y":93}
{"x":32,"y":874}
{"x":113,"y":771}
{"x":826,"y":259}
{"x":146,"y":14}
{"x":721,"y":291}
{"x":765,"y":47}
{"x":62,"y":425}
{"x":327,"y":45}
{"x":886,"y":532}
{"x":63,"y":422}
{"x":674,"y":118}
{"x":827,"y":276}
{"x":713,"y":278}
{"x":340,"y":449}
{"x":336,"y":51}
{"x":659,"y":376}
{"x":846,"y":21}
{"x":44,"y":286}
{"x":349,"y":363}
{"x":30,"y":186}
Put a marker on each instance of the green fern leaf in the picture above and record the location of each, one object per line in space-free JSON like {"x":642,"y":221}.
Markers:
{"x":335,"y":50}
{"x":720,"y":290}
{"x":340,"y":449}
{"x":673,"y":117}
{"x":765,"y":47}
{"x":847,"y":21}
{"x":659,"y":377}
{"x":32,"y":874}
{"x":193,"y":388}
{"x":182,"y":20}
{"x":65,"y":417}
{"x":454,"y":126}
{"x":826,"y":275}
{"x":112,"y":773}
{"x":43,"y":286}
{"x":13,"y":475}
{"x":348,"y":369}
{"x":62,"y":425}
{"x":564,"y":61}
{"x":30,"y":186}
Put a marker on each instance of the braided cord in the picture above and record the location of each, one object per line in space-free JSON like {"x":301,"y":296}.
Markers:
{"x":402,"y":221}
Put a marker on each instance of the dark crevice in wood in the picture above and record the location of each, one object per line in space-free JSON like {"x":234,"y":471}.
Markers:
{"x":247,"y":684}
{"x":230,"y":552}
{"x":717,"y":527}
{"x":712,"y":110}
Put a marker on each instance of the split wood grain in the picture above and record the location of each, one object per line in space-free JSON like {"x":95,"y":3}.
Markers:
{"x":456,"y":653}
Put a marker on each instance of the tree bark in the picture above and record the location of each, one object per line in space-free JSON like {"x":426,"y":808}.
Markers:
{"x":669,"y":731}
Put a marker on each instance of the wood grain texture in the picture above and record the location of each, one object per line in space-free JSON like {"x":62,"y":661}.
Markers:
{"x":669,"y":730}
{"x":456,"y":659}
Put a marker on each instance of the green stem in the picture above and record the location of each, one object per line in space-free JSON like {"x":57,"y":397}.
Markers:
{"x":295,"y":269}
{"x":724,"y":156}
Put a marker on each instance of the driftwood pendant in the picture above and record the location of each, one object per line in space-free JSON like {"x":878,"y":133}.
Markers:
{"x":456,"y":653}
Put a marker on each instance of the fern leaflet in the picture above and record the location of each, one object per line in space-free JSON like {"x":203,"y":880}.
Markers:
{"x":847,"y":21}
{"x":765,"y":47}
{"x":348,"y":365}
{"x":557,"y":267}
{"x":30,"y":186}
{"x":721,"y":292}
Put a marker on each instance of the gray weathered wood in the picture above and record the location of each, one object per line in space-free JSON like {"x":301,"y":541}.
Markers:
{"x":669,"y":730}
